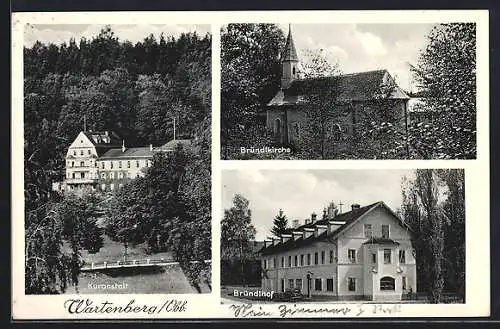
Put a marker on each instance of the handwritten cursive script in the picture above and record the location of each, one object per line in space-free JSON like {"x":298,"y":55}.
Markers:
{"x":247,"y":310}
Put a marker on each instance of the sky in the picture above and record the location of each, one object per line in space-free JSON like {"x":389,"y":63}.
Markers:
{"x":59,"y":33}
{"x":301,"y":192}
{"x":364,"y":47}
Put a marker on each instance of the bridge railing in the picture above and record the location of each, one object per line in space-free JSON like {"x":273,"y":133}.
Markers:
{"x":131,"y":263}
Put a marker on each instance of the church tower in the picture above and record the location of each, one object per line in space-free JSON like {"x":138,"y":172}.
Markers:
{"x":289,"y":61}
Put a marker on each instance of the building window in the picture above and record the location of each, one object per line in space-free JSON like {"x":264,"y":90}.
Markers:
{"x":387,"y":256}
{"x":318,"y":284}
{"x":277,"y":126}
{"x":82,"y":175}
{"x":402,"y":257}
{"x":81,"y":152}
{"x":308,"y":259}
{"x":111,"y":164}
{"x":301,"y":260}
{"x":385,"y":231}
{"x":81,"y":140}
{"x":120,"y":186}
{"x":331,"y":256}
{"x":282,"y":262}
{"x":264,"y":264}
{"x":329,"y":284}
{"x":102,"y":165}
{"x":296,"y":261}
{"x":103,"y":175}
{"x":351,"y":284}
{"x":316,"y":258}
{"x":120,"y":175}
{"x":374,"y":258}
{"x":351,"y":255}
{"x":96,"y":163}
{"x":137,"y":163}
{"x":289,"y":261}
{"x":112,"y":175}
{"x":387,"y":283}
{"x":73,"y":175}
{"x":128,"y":164}
{"x":119,"y":164}
{"x":323,"y":257}
{"x":111,"y":186}
{"x":282,"y":285}
{"x":89,"y":152}
{"x":274,"y":262}
{"x":293,"y":70}
{"x":72,"y":163}
{"x":74,"y":153}
{"x":82,"y":164}
{"x":368,"y":230}
{"x":290,"y":283}
{"x":149,"y":163}
{"x":298,"y":284}
{"x":403,"y":283}
{"x":103,"y":187}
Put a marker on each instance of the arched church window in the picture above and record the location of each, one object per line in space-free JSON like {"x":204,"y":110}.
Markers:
{"x":387,"y":283}
{"x":293,"y":70}
{"x":277,"y":126}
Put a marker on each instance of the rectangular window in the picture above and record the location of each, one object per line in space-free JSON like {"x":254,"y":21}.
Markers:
{"x":290,"y":283}
{"x":332,"y":257}
{"x":103,"y":175}
{"x":274,"y":262}
{"x":128,"y":164}
{"x":102,"y":165}
{"x":385,"y":231}
{"x":82,"y":175}
{"x":329,"y":284}
{"x":103,"y":187}
{"x":112,"y":175}
{"x":111,"y":164}
{"x":73,"y":175}
{"x":301,"y":260}
{"x":282,"y":285}
{"x":137,"y":163}
{"x":282,"y":261}
{"x":318,"y":284}
{"x":374,"y":258}
{"x":82,"y":164}
{"x":74,"y":153}
{"x":316,"y":258}
{"x":403,"y":283}
{"x":323,"y":257}
{"x":296,"y":261}
{"x":89,"y":152}
{"x":81,"y":152}
{"x":387,"y":256}
{"x":119,"y":164}
{"x":351,"y":255}
{"x":72,"y":163}
{"x":308,"y":259}
{"x":289,"y":261}
{"x":351,"y":284}
{"x":402,"y":257}
{"x":111,"y":186}
{"x":368,"y":230}
{"x":298,"y":284}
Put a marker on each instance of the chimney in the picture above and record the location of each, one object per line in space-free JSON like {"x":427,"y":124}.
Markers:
{"x":296,"y":235}
{"x":151,"y":147}
{"x":313,"y":217}
{"x":123,"y":145}
{"x":355,"y":206}
{"x":295,"y":223}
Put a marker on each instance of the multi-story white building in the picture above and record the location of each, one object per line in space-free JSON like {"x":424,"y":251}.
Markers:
{"x":365,"y":253}
{"x":100,"y":160}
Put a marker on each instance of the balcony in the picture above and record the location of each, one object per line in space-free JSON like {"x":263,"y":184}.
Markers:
{"x":81,"y":181}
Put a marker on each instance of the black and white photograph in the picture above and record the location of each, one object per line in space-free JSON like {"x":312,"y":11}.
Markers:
{"x":348,"y":91}
{"x":318,"y":236}
{"x":117,"y":159}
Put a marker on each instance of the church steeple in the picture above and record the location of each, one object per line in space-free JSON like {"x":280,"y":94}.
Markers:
{"x":289,"y":61}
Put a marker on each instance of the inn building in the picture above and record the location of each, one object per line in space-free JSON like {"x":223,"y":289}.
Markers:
{"x":363,"y":254}
{"x":101,"y":161}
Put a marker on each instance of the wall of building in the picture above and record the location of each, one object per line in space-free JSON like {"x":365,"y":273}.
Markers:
{"x":81,"y":162}
{"x":114,"y":173}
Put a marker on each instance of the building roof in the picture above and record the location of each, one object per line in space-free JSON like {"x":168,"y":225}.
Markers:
{"x":360,"y":86}
{"x":103,"y":140}
{"x":347,"y":217}
{"x":170,"y":146}
{"x":132,"y":152}
{"x":289,"y":53}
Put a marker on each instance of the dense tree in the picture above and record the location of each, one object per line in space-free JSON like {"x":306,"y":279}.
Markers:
{"x":237,"y":232}
{"x":433,"y":206}
{"x":280,"y":224}
{"x":446,"y":73}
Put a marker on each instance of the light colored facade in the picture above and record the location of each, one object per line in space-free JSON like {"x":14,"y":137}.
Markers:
{"x":96,"y":160}
{"x":362,"y":254}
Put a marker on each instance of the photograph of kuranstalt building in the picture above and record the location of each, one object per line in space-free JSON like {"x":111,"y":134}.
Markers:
{"x":348,"y":91}
{"x":393,"y":235}
{"x":117,"y":149}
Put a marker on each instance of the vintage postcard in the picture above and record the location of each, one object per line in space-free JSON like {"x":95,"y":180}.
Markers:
{"x":130,"y":199}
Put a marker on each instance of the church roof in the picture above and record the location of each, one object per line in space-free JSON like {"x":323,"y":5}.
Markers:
{"x":360,"y":86}
{"x":347,"y":217}
{"x":289,"y":53}
{"x":133,"y":152}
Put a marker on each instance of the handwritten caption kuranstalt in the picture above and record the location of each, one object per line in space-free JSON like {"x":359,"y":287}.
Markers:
{"x":286,"y":311}
{"x":89,"y":306}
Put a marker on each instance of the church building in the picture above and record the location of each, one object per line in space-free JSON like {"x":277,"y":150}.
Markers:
{"x":101,"y":161}
{"x":354,"y":98}
{"x":363,"y":254}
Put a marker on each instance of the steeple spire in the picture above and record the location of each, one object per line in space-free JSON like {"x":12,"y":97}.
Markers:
{"x":289,"y":61}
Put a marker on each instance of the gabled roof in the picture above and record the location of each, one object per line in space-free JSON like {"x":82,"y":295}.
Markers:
{"x":360,"y":86}
{"x":349,"y":218}
{"x":103,"y":140}
{"x":170,"y":146}
{"x":133,"y":152}
{"x":289,"y":52}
